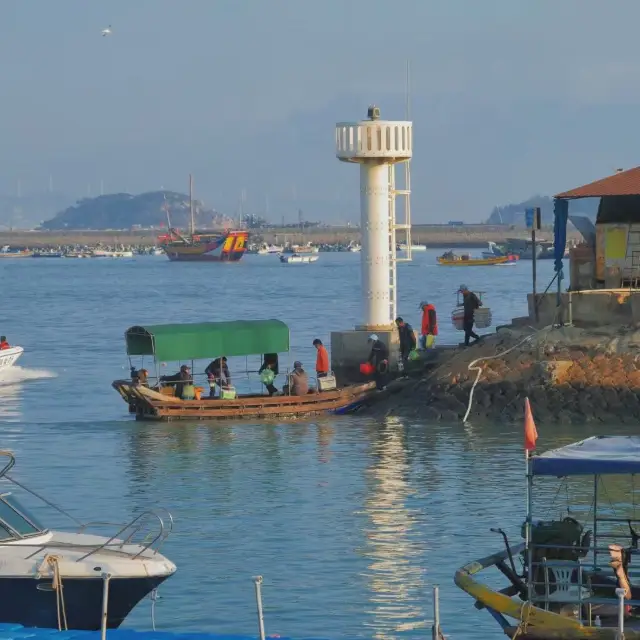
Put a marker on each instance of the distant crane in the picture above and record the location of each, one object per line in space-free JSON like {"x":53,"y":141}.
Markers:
{"x":107,"y":31}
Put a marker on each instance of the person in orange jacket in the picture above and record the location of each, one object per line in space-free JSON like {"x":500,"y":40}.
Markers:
{"x":3,"y":343}
{"x":322,"y":359}
{"x":429,"y":325}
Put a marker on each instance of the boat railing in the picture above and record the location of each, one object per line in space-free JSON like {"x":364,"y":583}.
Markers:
{"x":153,"y":539}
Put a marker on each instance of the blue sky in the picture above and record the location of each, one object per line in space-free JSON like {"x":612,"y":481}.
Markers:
{"x":509,"y":97}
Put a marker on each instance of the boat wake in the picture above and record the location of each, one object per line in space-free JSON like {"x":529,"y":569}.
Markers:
{"x":18,"y":375}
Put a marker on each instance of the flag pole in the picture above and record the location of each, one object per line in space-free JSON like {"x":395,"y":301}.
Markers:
{"x":527,"y":540}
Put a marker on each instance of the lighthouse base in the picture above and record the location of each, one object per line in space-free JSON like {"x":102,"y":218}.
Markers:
{"x":349,"y":349}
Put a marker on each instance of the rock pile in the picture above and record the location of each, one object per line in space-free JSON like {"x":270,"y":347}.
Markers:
{"x":570,"y":375}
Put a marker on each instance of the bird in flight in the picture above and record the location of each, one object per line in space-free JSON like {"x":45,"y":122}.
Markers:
{"x":107,"y":31}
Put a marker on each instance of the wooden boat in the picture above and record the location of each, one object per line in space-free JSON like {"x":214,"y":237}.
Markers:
{"x":572,"y":583}
{"x":190,"y":342}
{"x":449,"y":259}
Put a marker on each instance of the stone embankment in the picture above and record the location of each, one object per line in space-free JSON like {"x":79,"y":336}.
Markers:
{"x":570,"y":375}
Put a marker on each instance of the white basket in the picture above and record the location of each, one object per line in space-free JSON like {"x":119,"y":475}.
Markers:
{"x":482,"y":318}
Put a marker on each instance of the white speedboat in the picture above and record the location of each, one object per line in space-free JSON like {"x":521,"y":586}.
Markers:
{"x":9,"y":356}
{"x":55,"y":579}
{"x":354,"y":247}
{"x":101,"y":253}
{"x":296,"y":258}
{"x":414,"y":247}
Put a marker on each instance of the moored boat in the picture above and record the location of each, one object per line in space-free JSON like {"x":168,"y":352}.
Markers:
{"x":450,"y":259}
{"x":296,"y":258}
{"x":8,"y":252}
{"x":57,"y":579}
{"x":8,"y":357}
{"x":156,"y":400}
{"x":570,"y":579}
{"x":414,"y":247}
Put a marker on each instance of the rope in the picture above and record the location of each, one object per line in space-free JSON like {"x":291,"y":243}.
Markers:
{"x":478,"y":370}
{"x":523,"y":624}
{"x":52,"y":562}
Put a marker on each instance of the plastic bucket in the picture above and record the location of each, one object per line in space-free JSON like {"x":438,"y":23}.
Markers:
{"x":367,"y":369}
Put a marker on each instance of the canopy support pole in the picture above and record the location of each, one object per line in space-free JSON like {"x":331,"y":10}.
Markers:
{"x":595,"y":522}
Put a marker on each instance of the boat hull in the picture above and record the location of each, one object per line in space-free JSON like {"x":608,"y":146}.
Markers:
{"x":151,"y":405}
{"x":476,"y":262}
{"x":227,"y":247}
{"x":31,"y":602}
{"x":8,"y":357}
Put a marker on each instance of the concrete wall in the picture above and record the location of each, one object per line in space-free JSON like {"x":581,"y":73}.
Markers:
{"x":349,"y":349}
{"x":589,"y":308}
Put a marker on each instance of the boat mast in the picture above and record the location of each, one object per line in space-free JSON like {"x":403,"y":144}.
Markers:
{"x":192,"y":228}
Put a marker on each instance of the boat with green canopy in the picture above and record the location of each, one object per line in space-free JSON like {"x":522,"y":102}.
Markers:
{"x":152,"y":396}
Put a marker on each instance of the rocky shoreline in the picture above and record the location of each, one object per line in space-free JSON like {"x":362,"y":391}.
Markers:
{"x":571,"y":375}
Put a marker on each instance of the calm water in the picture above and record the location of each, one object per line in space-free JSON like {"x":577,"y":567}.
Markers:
{"x":350,"y":521}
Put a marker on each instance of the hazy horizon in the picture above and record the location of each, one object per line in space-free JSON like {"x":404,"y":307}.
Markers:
{"x":508,"y":99}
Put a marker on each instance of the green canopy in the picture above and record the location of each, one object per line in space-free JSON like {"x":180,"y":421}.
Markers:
{"x":170,"y":342}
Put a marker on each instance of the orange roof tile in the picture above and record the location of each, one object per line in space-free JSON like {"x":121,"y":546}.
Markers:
{"x":623,"y":183}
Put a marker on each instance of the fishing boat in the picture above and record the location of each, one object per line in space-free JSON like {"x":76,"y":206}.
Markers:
{"x":354,"y":247}
{"x":8,"y":357}
{"x":183,"y":343}
{"x":296,"y":258}
{"x":104,"y":253}
{"x":8,"y":252}
{"x":267,"y":249}
{"x":571,"y":578}
{"x":57,"y":579}
{"x":48,"y":254}
{"x":228,"y":246}
{"x":301,"y":248}
{"x":450,"y":259}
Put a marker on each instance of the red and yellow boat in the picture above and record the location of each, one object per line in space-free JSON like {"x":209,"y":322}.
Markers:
{"x":228,"y":246}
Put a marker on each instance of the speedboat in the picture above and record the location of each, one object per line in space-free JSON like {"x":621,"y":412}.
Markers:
{"x":296,"y":258}
{"x":9,"y":356}
{"x":57,"y":579}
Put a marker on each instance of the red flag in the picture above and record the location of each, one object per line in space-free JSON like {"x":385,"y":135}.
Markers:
{"x":530,"y":431}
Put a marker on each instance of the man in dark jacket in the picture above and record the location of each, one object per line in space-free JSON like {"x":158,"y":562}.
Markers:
{"x":179,"y":380}
{"x":407,"y":340}
{"x":470,"y":302}
{"x":379,"y":358}
{"x":218,"y":374}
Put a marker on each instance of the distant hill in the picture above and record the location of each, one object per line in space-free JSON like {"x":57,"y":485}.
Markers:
{"x":28,"y":211}
{"x":123,"y":211}
{"x":514,"y":213}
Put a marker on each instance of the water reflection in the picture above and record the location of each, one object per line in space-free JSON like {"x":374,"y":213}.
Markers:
{"x":395,"y":572}
{"x":10,"y":396}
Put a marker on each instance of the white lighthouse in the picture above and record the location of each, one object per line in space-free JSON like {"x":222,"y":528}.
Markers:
{"x":377,"y":146}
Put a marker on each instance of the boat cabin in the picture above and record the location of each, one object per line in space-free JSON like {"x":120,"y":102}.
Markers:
{"x":575,"y":575}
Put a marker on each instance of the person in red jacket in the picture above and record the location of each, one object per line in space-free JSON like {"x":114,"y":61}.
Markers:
{"x":429,"y":325}
{"x":3,"y":343}
{"x":322,"y":359}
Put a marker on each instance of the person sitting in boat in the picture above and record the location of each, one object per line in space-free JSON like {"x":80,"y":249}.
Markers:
{"x":179,"y":380}
{"x":297,"y":382}
{"x":3,"y":343}
{"x":268,"y":371}
{"x":218,"y":374}
{"x":140,"y":376}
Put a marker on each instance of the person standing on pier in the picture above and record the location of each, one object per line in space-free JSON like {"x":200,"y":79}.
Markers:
{"x":407,"y":341}
{"x":429,"y":326}
{"x":470,"y":302}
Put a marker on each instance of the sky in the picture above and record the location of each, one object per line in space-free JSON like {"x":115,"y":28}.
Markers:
{"x":509,"y":98}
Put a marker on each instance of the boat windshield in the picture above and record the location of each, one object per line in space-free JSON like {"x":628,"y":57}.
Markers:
{"x":15,"y":520}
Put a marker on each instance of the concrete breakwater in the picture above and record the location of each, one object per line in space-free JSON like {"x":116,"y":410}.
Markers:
{"x":571,"y":375}
{"x":434,"y":236}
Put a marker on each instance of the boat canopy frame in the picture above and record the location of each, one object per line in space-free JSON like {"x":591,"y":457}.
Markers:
{"x":195,"y":341}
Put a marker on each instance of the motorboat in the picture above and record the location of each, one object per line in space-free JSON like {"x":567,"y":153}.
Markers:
{"x":414,"y":247}
{"x":267,"y":249}
{"x":354,"y":247}
{"x":8,"y":357}
{"x":493,"y":251}
{"x":7,"y":252}
{"x":56,"y":579}
{"x":48,"y":254}
{"x":296,"y":258}
{"x":101,"y":253}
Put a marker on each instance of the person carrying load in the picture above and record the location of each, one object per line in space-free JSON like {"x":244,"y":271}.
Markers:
{"x":268,"y":372}
{"x":407,"y":341}
{"x":379,"y":358}
{"x":470,"y":302}
{"x":429,"y":325}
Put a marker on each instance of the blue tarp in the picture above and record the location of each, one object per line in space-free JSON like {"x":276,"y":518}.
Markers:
{"x":599,"y":455}
{"x":560,"y":219}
